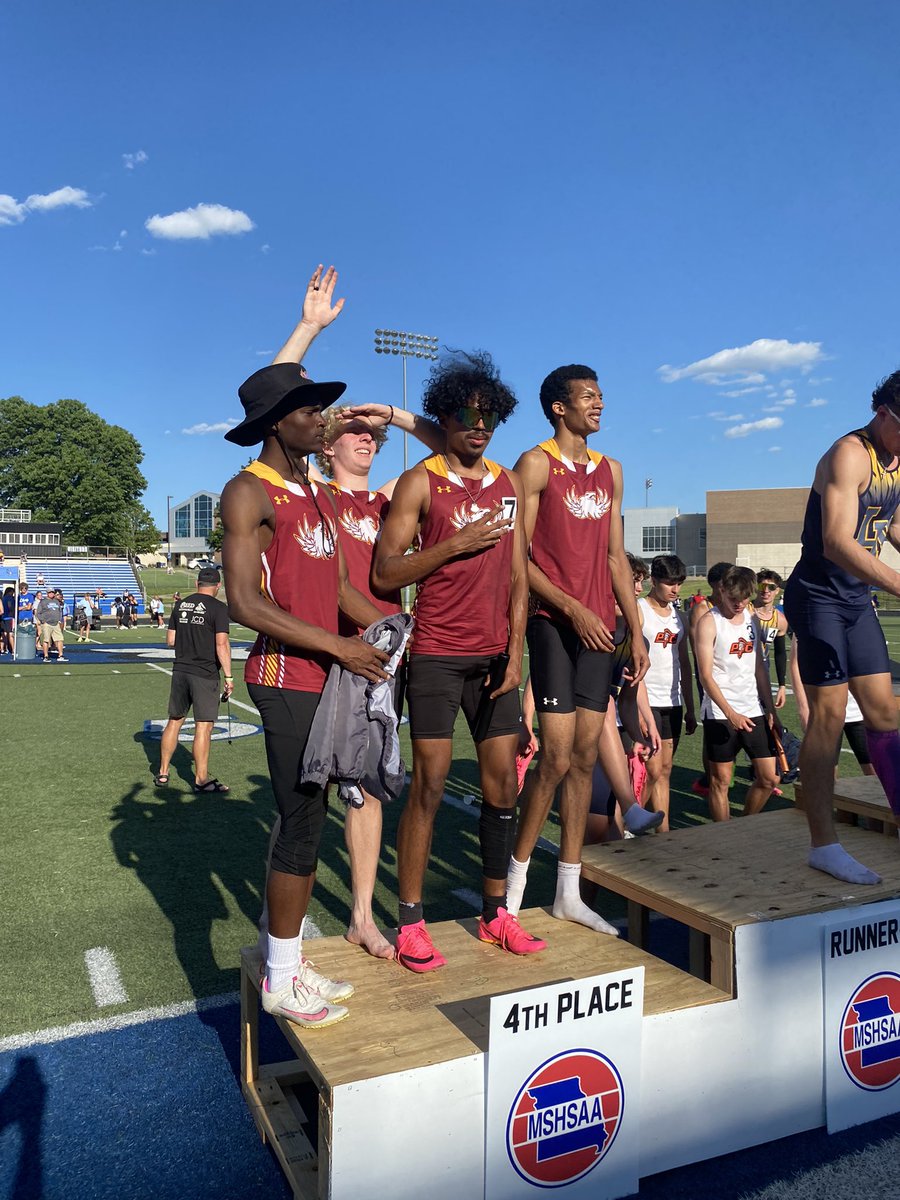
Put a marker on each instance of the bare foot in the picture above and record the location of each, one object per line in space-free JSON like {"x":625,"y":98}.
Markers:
{"x":369,"y":936}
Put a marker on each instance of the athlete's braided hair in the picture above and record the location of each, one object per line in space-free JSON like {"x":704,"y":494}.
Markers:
{"x":458,"y":379}
{"x":556,"y":386}
{"x":888,"y":393}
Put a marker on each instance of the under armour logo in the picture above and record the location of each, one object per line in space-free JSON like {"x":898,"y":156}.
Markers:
{"x":554,"y":701}
{"x":559,"y":470}
{"x":284,"y":498}
{"x":443,"y":489}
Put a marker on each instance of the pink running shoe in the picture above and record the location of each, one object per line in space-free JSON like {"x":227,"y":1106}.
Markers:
{"x":416,"y":951}
{"x":506,"y":932}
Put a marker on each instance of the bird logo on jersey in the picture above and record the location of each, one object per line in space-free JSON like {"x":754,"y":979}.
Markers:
{"x":363,"y":529}
{"x":741,"y":647}
{"x":316,"y":541}
{"x":463,"y":515}
{"x":666,"y":638}
{"x":590,"y":506}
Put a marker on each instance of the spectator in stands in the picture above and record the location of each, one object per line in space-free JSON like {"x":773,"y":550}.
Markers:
{"x":26,"y":604}
{"x":40,"y":580}
{"x":2,"y":558}
{"x":8,"y":618}
{"x":49,"y":613}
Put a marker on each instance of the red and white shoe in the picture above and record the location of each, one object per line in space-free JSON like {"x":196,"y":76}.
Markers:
{"x":299,"y":1004}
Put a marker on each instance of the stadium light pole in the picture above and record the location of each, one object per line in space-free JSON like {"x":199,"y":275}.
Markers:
{"x":648,"y":484}
{"x":168,"y":531}
{"x":407,"y":345}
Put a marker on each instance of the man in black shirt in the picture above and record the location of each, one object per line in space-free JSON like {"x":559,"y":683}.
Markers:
{"x":198,"y":629}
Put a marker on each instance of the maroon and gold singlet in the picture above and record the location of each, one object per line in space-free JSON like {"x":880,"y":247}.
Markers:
{"x":570,"y":542}
{"x":360,"y":518}
{"x":463,"y":606}
{"x":300,"y":576}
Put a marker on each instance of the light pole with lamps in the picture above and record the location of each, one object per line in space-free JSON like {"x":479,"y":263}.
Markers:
{"x":168,"y":531}
{"x":407,"y":345}
{"x":648,"y":484}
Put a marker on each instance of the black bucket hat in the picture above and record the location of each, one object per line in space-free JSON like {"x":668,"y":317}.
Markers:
{"x":273,"y":392}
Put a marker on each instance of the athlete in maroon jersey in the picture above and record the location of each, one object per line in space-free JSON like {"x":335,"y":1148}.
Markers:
{"x":466,"y":651}
{"x":287,"y":579}
{"x":577,"y":570}
{"x":351,"y":438}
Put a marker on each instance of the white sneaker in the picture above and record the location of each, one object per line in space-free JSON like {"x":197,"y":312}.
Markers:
{"x":299,"y":1004}
{"x":332,"y":990}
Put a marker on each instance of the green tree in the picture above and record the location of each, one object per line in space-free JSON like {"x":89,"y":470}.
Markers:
{"x":216,"y":534}
{"x":67,"y":464}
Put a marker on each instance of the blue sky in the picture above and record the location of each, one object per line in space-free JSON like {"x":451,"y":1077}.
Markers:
{"x":698,"y":199}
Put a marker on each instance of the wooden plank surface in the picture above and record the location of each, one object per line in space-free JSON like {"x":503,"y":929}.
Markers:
{"x":408,"y":1021}
{"x":717,"y":876}
{"x":862,"y":795}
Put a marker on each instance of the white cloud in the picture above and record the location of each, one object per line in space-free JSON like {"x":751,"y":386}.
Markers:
{"x":149,"y":253}
{"x":746,"y":391}
{"x":789,"y":394}
{"x":787,"y":400}
{"x":817,"y":402}
{"x":14,"y":212}
{"x":721,"y":416}
{"x":737,"y":431}
{"x":219,"y":427}
{"x":263,"y":353}
{"x":657,"y":431}
{"x":130,"y":161}
{"x":747,"y":364}
{"x":816,"y":379}
{"x":265,"y":248}
{"x":774,"y":449}
{"x":204,"y":221}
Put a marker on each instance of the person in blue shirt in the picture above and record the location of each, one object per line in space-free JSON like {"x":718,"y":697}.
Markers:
{"x":26,"y":604}
{"x":9,"y":618}
{"x":851,"y":511}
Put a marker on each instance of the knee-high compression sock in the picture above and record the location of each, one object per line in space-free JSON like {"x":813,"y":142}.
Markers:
{"x":884,"y":751}
{"x":497,"y":836}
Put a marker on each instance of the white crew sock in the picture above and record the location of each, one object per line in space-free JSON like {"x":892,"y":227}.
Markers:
{"x":641,"y":820}
{"x":834,"y":860}
{"x":515,"y":885}
{"x":568,"y":905}
{"x":282,"y":956}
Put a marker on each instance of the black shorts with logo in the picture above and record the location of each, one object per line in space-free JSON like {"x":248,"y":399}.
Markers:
{"x":438,"y":685}
{"x":565,"y":674}
{"x":200,"y":692}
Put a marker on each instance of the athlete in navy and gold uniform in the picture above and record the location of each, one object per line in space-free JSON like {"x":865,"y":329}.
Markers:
{"x":852,"y":509}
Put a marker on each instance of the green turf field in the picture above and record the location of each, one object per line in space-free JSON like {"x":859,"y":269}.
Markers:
{"x":94,"y":856}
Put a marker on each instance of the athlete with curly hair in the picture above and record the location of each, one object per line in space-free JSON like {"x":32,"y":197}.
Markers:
{"x":470,"y":567}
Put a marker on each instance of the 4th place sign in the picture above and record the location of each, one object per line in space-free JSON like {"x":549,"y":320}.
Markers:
{"x":563,"y":1096}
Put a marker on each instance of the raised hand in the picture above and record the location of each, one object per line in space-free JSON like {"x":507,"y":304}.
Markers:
{"x":318,"y":309}
{"x":374,"y":415}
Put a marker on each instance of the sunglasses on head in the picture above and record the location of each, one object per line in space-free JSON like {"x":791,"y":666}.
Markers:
{"x":469,"y":416}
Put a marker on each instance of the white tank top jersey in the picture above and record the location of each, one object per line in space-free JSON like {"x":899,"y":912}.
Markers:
{"x":734,"y":667}
{"x":662,"y":635}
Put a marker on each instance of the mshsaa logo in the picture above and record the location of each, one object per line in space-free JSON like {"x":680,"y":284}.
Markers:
{"x":870,"y":1033}
{"x":565,"y":1118}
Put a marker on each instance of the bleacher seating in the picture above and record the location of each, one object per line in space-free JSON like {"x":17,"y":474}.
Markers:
{"x":79,"y":575}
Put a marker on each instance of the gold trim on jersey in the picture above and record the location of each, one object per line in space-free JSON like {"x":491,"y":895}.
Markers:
{"x":439,"y":466}
{"x":270,"y":475}
{"x":551,"y":446}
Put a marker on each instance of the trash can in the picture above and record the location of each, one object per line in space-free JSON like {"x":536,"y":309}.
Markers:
{"x":25,"y":642}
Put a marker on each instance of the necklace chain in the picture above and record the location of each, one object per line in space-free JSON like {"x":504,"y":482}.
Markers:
{"x":480,"y":484}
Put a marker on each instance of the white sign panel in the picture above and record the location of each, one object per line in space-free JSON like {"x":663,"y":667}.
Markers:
{"x":862,"y":1017}
{"x":563,"y":1089}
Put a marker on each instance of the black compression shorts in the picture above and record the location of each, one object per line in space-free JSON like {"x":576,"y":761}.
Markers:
{"x":668,"y":723}
{"x":438,"y":685}
{"x":287,"y":716}
{"x":838,"y":641}
{"x":565,"y":674}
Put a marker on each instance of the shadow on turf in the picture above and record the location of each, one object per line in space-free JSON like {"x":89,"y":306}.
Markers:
{"x":22,"y":1103}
